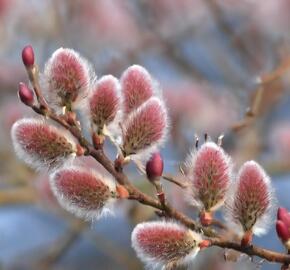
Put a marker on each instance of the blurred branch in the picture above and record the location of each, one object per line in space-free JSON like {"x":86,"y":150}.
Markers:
{"x":111,"y":249}
{"x":64,"y":243}
{"x":267,"y":93}
{"x":168,"y":45}
{"x":226,"y":28}
{"x":23,"y":195}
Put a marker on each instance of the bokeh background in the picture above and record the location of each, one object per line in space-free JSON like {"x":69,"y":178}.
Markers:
{"x":224,"y":69}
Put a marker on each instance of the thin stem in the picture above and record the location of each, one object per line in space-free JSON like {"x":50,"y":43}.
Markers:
{"x":33,"y":77}
{"x":171,"y":179}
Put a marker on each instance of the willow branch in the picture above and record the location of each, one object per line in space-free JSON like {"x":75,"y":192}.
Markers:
{"x":252,"y":250}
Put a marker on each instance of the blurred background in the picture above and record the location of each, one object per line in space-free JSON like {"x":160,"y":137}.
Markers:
{"x":224,"y":68}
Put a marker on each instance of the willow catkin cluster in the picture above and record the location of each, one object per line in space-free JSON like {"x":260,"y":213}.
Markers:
{"x":131,"y":112}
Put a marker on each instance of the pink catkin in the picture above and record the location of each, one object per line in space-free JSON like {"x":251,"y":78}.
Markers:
{"x":253,"y":197}
{"x":67,"y":75}
{"x":40,"y":144}
{"x":164,"y":243}
{"x":104,"y":101}
{"x":210,"y":175}
{"x":137,"y":87}
{"x":145,"y":127}
{"x":81,"y":188}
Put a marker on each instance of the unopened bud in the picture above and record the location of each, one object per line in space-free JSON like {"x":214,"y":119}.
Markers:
{"x":204,"y":244}
{"x":154,"y":167}
{"x":25,"y":94}
{"x":71,"y":118}
{"x":98,"y":140}
{"x":247,"y":239}
{"x":282,"y":231}
{"x":205,"y":218}
{"x":80,"y":150}
{"x":284,"y":216}
{"x":122,"y":192}
{"x":28,"y":56}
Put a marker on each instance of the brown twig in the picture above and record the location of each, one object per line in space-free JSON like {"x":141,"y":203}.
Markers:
{"x":238,"y":44}
{"x":252,"y":250}
{"x":265,"y":81}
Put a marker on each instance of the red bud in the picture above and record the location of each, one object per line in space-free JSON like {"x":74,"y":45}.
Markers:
{"x":122,"y":192}
{"x":282,"y":231}
{"x":284,"y":216}
{"x":25,"y":94}
{"x":80,"y":150}
{"x":247,"y":239}
{"x":71,"y":118}
{"x":28,"y":56}
{"x":204,"y":244}
{"x":205,"y":218}
{"x":154,"y":167}
{"x":98,"y":140}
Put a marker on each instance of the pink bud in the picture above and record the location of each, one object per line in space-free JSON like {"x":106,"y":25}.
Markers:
{"x":165,"y":244}
{"x":282,"y":231}
{"x":205,"y":218}
{"x":145,"y":129}
{"x":252,"y":204}
{"x":209,"y":172}
{"x":204,"y":244}
{"x":247,"y":239}
{"x":105,"y":101}
{"x":82,"y":192}
{"x":137,"y":87}
{"x":67,"y":76}
{"x":284,"y":216}
{"x":122,"y":192}
{"x":154,"y":167}
{"x":25,"y":94}
{"x":28,"y":56}
{"x":41,"y":145}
